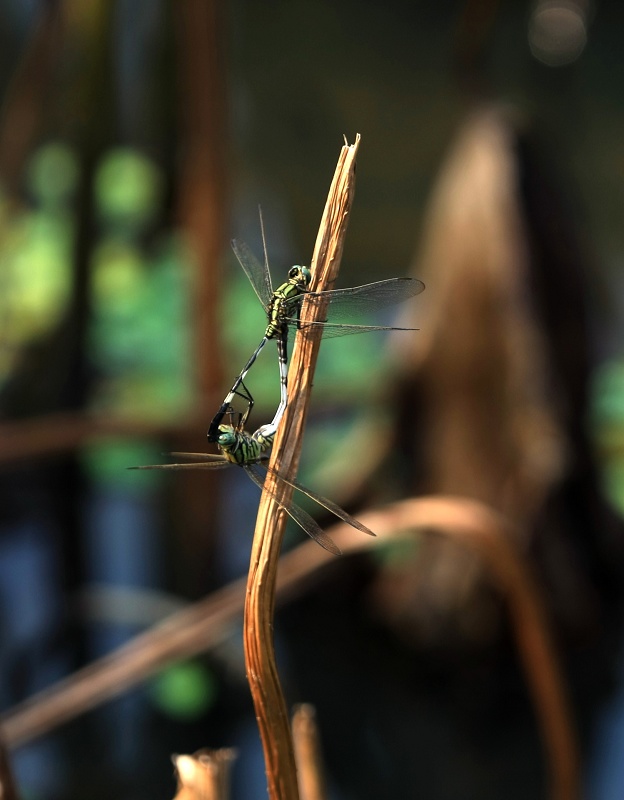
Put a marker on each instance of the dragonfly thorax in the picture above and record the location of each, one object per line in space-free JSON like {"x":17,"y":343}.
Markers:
{"x":285,"y":300}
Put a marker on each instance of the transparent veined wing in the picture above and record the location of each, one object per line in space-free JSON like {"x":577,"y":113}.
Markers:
{"x":325,"y":503}
{"x":198,"y":456}
{"x":208,"y":460}
{"x":331,"y":330}
{"x":358,"y":300}
{"x":367,"y":298}
{"x":257,"y":473}
{"x":258,"y":274}
{"x":301,"y":517}
{"x":217,"y":462}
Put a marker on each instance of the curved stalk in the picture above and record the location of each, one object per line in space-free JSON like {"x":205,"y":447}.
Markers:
{"x":268,"y":698}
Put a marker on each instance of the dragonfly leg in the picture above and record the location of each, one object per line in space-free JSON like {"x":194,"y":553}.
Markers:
{"x":213,"y":429}
{"x":248,"y":397}
{"x":228,"y":410}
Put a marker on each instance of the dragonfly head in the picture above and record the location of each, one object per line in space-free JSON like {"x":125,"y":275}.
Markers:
{"x":227,"y":436}
{"x":300,"y":276}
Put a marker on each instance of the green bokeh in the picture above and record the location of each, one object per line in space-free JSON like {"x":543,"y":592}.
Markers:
{"x":613,"y":483}
{"x":52,"y":174}
{"x":128,"y":189}
{"x":184,"y":691}
{"x":607,"y":425}
{"x":139,"y":336}
{"x":107,"y":464}
{"x":35,"y":278}
{"x":608,"y":393}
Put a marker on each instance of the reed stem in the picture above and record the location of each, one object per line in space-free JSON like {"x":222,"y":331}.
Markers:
{"x":262,"y":674}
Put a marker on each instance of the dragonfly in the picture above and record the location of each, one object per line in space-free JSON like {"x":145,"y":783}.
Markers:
{"x":248,"y":451}
{"x":279,"y":305}
{"x":282,"y":307}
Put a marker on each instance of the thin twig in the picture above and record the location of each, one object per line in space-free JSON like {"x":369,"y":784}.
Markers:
{"x":55,"y":433}
{"x":310,"y":772}
{"x":262,"y":674}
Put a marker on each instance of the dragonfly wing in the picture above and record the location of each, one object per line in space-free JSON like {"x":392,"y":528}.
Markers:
{"x":301,"y":517}
{"x":367,"y":298}
{"x":258,"y":274}
{"x":326,"y":503}
{"x":197,"y":456}
{"x":331,"y":330}
{"x":189,"y":465}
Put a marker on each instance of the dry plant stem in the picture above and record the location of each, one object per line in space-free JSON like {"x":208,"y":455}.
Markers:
{"x":26,"y":98}
{"x":487,"y":533}
{"x":262,"y":672}
{"x":202,"y":209}
{"x":308,"y":754}
{"x":51,"y":434}
{"x":8,"y":789}
{"x":202,"y":178}
{"x":200,"y":626}
{"x":205,"y":775}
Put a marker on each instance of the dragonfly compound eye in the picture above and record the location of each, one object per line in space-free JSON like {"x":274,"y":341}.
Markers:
{"x":301,"y":275}
{"x":227,"y":437}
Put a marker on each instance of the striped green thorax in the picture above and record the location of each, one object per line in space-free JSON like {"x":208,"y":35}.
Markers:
{"x":285,"y":299}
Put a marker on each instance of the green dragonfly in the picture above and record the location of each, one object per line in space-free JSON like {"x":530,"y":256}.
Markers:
{"x":282,"y":307}
{"x":281,"y":303}
{"x":248,"y":451}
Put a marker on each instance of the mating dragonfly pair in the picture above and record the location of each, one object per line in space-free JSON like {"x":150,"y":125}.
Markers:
{"x":282,"y":307}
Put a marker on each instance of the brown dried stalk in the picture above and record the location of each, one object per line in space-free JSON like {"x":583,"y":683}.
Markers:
{"x":195,"y":629}
{"x":60,"y":432}
{"x":205,"y":775}
{"x":27,"y":97}
{"x":260,"y":599}
{"x":8,"y":788}
{"x":310,"y":771}
{"x":491,"y":536}
{"x":202,"y":189}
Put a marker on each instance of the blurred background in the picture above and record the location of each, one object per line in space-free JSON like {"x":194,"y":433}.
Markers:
{"x":136,"y":138}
